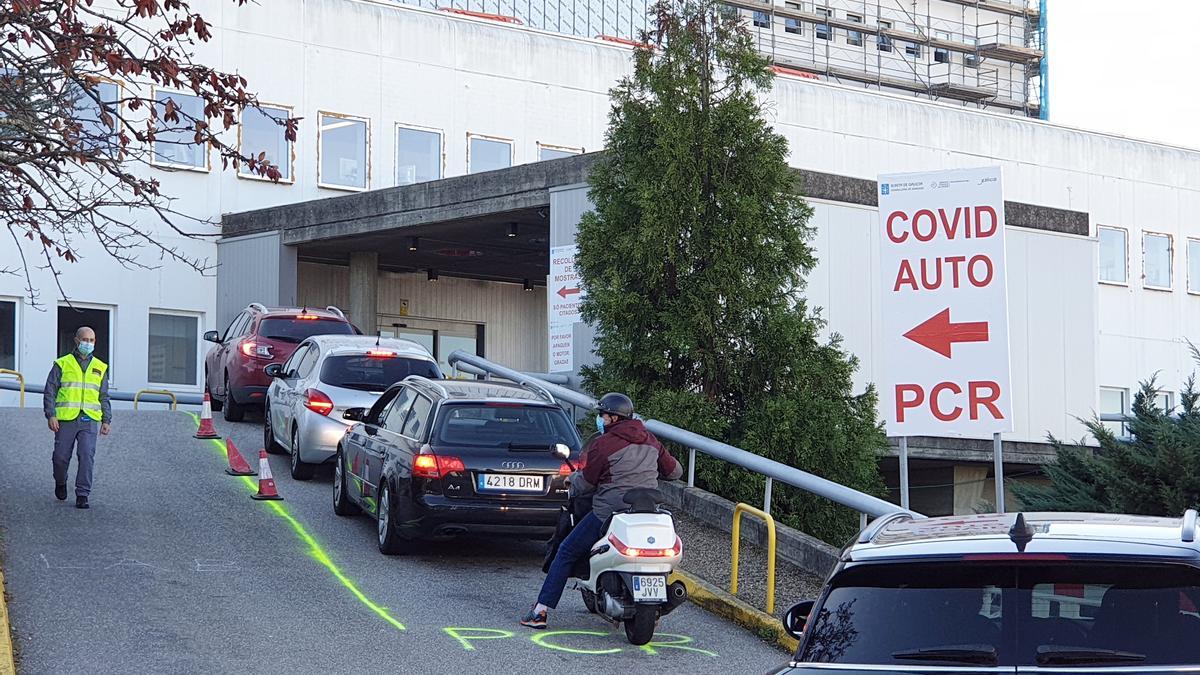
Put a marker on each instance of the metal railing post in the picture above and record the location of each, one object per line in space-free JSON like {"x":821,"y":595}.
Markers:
{"x":767,"y":496}
{"x":20,"y":379}
{"x":691,"y":467}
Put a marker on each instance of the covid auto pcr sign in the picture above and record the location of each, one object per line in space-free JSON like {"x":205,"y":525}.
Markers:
{"x":944,"y":304}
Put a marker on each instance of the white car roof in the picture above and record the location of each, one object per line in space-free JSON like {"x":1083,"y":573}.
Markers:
{"x":361,"y":344}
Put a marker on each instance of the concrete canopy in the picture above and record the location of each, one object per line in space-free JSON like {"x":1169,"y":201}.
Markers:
{"x":464,"y":226}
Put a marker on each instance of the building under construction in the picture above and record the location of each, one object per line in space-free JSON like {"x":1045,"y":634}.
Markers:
{"x":982,"y":53}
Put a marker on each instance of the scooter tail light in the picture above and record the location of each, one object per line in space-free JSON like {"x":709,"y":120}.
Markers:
{"x":633,"y":552}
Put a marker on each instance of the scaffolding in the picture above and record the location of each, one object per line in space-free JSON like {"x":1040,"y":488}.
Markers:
{"x":983,"y":53}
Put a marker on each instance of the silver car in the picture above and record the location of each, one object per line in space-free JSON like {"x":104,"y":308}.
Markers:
{"x":326,"y":375}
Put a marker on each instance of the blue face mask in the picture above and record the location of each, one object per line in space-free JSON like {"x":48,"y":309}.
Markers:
{"x":85,"y":348}
{"x":600,"y":423}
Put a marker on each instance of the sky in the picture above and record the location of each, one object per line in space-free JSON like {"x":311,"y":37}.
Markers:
{"x":1126,"y":67}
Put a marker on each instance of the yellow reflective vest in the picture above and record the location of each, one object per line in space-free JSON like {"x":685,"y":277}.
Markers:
{"x":79,"y":391}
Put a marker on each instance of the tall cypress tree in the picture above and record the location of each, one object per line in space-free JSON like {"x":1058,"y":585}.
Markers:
{"x":694,"y":261}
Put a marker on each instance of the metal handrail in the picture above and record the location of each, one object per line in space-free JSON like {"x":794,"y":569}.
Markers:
{"x":137,"y":394}
{"x":771,"y":469}
{"x":738,"y":511}
{"x":184,"y":399}
{"x":20,"y":379}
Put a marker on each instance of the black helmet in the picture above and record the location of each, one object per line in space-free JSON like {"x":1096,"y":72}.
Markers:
{"x":616,"y":404}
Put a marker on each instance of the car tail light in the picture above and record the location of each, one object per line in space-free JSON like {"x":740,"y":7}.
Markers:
{"x":316,"y":401}
{"x":380,"y":353}
{"x":307,"y":317}
{"x":630,"y":552}
{"x":436,"y":466}
{"x":256,"y":350}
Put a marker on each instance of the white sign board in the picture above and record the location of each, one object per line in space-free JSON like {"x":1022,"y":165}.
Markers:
{"x":944,"y":304}
{"x":563,"y":298}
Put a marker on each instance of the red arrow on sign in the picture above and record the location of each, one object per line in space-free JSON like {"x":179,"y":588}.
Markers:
{"x":564,"y":292}
{"x":938,"y":334}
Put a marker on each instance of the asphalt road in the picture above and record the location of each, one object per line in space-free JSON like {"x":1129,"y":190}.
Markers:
{"x":175,"y":569}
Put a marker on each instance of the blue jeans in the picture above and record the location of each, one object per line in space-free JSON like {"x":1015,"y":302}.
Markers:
{"x":577,"y":545}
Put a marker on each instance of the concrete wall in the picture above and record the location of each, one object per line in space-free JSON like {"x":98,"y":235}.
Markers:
{"x":513,"y":319}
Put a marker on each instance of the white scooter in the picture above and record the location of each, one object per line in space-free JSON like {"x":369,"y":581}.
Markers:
{"x":625,"y":577}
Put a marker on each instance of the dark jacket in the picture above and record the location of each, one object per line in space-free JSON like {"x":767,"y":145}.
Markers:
{"x":624,"y":457}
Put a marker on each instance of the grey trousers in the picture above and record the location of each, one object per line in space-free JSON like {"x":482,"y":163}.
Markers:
{"x":79,"y":435}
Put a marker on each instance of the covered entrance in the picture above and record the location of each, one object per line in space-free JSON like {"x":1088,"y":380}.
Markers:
{"x":440,"y":337}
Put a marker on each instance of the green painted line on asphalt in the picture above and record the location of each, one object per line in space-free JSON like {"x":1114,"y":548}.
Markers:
{"x":314,"y":548}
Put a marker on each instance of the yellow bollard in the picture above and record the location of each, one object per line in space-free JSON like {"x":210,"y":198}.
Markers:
{"x":737,"y":540}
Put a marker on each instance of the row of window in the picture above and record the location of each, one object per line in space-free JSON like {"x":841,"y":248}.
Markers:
{"x":1116,"y":401}
{"x":1158,"y":253}
{"x":343,"y":143}
{"x":854,"y":38}
{"x":172,"y":350}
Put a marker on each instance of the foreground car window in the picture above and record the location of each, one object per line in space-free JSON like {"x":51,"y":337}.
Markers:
{"x":373,"y":373}
{"x":498,"y":426}
{"x":1070,"y":614}
{"x":295,"y":330}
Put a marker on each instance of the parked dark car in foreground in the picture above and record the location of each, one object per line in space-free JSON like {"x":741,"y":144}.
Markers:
{"x":1038,"y":592}
{"x":451,"y":457}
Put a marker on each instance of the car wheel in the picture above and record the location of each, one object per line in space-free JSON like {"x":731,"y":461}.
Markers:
{"x":233,"y":411}
{"x":301,"y":470}
{"x":212,"y":400}
{"x":390,"y":543}
{"x":269,"y":443}
{"x":342,"y":504}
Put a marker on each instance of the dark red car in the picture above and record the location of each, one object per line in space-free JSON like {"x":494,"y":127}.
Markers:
{"x":258,"y":336}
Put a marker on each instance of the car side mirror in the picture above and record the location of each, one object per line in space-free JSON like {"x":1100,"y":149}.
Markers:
{"x":273,"y":370}
{"x":212,"y":336}
{"x":355,"y":414}
{"x":562,"y":451}
{"x":796,"y":618}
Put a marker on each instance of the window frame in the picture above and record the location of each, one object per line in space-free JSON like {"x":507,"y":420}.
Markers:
{"x":367,"y":155}
{"x":1125,"y":232}
{"x":1170,"y":261}
{"x":754,"y":19}
{"x":385,"y":417}
{"x":1170,"y":402}
{"x":855,"y":38}
{"x":884,"y":43}
{"x":112,"y":331}
{"x":941,"y":54}
{"x":1188,"y":261}
{"x":199,"y":317}
{"x":411,"y":415}
{"x":154,"y":161}
{"x":291,"y":180}
{"x":120,"y":107}
{"x":16,"y":342}
{"x":1126,"y":409}
{"x":791,"y":25}
{"x":441,"y":134}
{"x":827,"y":14}
{"x":512,"y":149}
{"x":560,"y":148}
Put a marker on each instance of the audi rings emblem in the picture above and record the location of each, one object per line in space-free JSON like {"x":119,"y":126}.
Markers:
{"x":512,"y":465}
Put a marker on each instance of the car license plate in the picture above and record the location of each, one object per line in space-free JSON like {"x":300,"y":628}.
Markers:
{"x":505,"y":482}
{"x":649,"y":588}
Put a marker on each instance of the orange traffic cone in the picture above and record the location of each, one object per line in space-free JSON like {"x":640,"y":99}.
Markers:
{"x":266,"y":482}
{"x":206,"y":429}
{"x":237,"y":464}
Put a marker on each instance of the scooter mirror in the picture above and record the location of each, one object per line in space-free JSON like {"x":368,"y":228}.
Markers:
{"x":562,"y":451}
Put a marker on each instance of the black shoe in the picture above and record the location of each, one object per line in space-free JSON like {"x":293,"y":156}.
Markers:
{"x":81,"y":503}
{"x":60,"y":491}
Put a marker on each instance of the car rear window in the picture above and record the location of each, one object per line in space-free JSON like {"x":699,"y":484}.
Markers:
{"x":497,"y":426}
{"x":373,"y":373}
{"x":295,"y":330}
{"x":1055,"y":615}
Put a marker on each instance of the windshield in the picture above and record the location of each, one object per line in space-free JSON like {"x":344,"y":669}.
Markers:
{"x":373,"y":373}
{"x":295,"y":330}
{"x":1056,"y":614}
{"x":504,"y":425}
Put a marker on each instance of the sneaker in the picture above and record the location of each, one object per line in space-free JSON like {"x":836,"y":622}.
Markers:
{"x":532,"y":620}
{"x":60,"y":491}
{"x":81,"y":503}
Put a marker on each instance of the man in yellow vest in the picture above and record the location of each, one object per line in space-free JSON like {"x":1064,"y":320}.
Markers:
{"x":76,"y":405}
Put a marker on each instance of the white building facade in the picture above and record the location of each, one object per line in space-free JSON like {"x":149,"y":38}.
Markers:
{"x":392,"y":94}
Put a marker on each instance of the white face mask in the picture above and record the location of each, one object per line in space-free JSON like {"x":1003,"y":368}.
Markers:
{"x":86,"y":348}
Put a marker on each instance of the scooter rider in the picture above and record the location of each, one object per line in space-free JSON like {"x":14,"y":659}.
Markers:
{"x":625,"y":456}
